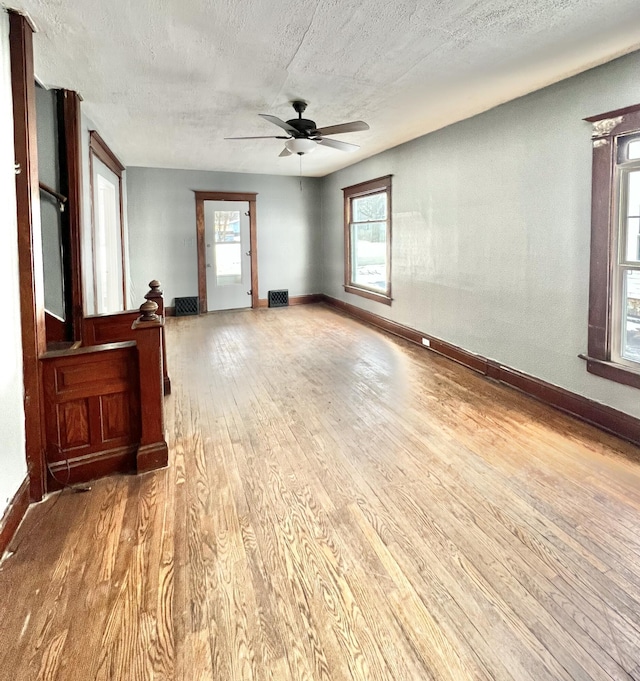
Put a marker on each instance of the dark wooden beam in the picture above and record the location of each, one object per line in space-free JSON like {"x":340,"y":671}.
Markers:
{"x":29,"y":243}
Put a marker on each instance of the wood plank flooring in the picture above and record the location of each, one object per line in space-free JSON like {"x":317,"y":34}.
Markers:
{"x":339,"y":505}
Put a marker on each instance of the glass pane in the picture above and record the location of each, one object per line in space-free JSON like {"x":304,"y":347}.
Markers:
{"x":227,"y":226}
{"x":228,"y":263}
{"x":633,"y":150}
{"x":632,"y":240}
{"x":372,"y":207}
{"x":369,"y":255}
{"x":631,"y":315}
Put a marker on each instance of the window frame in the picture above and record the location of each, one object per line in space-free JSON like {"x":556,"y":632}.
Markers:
{"x":376,"y":186}
{"x":606,"y":228}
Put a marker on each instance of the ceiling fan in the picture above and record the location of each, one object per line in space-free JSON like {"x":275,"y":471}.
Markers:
{"x":303,"y":136}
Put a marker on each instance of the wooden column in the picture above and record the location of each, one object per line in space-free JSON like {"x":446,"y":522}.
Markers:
{"x":155,"y":294}
{"x":29,"y":244}
{"x":153,"y":451}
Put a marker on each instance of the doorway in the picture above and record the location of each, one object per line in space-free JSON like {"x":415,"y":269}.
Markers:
{"x":228,"y":254}
{"x":227,"y":250}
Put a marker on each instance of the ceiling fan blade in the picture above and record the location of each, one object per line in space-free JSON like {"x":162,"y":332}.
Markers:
{"x":285,"y":152}
{"x":279,"y":122}
{"x":335,"y":144}
{"x":354,"y":126}
{"x":266,"y":137}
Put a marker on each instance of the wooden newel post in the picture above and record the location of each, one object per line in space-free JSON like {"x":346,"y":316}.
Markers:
{"x":153,"y":451}
{"x":155,"y":294}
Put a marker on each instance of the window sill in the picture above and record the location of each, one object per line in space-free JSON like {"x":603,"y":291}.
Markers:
{"x":619,"y":373}
{"x":371,"y":295}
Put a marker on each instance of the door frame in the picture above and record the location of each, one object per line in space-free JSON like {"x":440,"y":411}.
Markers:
{"x":201,"y":197}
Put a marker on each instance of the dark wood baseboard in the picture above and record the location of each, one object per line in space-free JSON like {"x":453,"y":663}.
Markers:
{"x":170,"y":311}
{"x":91,"y":467}
{"x":306,"y":299}
{"x":151,"y":457}
{"x":606,"y":418}
{"x":13,"y":515}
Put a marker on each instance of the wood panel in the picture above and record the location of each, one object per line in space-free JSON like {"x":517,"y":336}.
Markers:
{"x":71,"y":186}
{"x":92,"y":411}
{"x":342,"y":506}
{"x":13,"y":515}
{"x":117,"y":327}
{"x":30,"y":267}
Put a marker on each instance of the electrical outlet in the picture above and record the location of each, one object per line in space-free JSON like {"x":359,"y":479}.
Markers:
{"x":426,"y":342}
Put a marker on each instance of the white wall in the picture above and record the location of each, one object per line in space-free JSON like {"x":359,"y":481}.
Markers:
{"x":13,"y":468}
{"x":162,"y":229}
{"x":491,"y":230}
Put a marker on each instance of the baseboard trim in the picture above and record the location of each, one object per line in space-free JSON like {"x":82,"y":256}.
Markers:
{"x":606,"y":418}
{"x":153,"y":456}
{"x":307,"y":299}
{"x":170,"y":311}
{"x":13,"y":515}
{"x":91,"y":467}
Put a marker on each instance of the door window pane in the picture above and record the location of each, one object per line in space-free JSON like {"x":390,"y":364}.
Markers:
{"x":631,"y":315}
{"x":369,"y":253}
{"x":228,"y":247}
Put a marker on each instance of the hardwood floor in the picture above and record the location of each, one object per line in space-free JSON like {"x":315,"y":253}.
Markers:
{"x":339,"y":505}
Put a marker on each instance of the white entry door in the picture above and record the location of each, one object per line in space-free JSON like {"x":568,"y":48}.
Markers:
{"x":228,"y":259}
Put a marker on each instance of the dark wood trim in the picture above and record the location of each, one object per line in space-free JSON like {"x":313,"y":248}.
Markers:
{"x":71,"y":182}
{"x":606,"y":418}
{"x":224,"y":196}
{"x":307,"y":299}
{"x":91,"y":467}
{"x":612,"y":371}
{"x":13,"y":515}
{"x":366,"y":293}
{"x":630,"y":115}
{"x":368,"y":186}
{"x":201,"y":247}
{"x":170,"y":311}
{"x":101,"y":149}
{"x":201,"y":197}
{"x":604,"y":227}
{"x":377,"y":185}
{"x":30,"y":265}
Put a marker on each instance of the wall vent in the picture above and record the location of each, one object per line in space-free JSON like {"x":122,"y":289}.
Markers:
{"x":187,"y":306}
{"x":279,"y":298}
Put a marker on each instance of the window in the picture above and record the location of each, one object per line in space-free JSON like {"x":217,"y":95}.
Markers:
{"x":367,"y":239}
{"x":614,"y":295}
{"x":107,"y":237}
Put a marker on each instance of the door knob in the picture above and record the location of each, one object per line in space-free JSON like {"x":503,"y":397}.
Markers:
{"x":248,"y":253}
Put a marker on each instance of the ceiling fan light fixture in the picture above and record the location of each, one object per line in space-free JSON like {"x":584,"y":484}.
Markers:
{"x":300,"y":145}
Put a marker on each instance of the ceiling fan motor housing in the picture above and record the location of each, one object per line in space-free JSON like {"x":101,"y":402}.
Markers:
{"x":304,"y":126}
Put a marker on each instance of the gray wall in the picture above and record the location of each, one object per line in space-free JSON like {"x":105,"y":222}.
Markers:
{"x":491,"y":230}
{"x":162,"y":229}
{"x":48,"y":172}
{"x":13,"y":467}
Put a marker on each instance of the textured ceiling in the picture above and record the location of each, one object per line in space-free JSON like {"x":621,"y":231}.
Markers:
{"x":166,"y":80}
